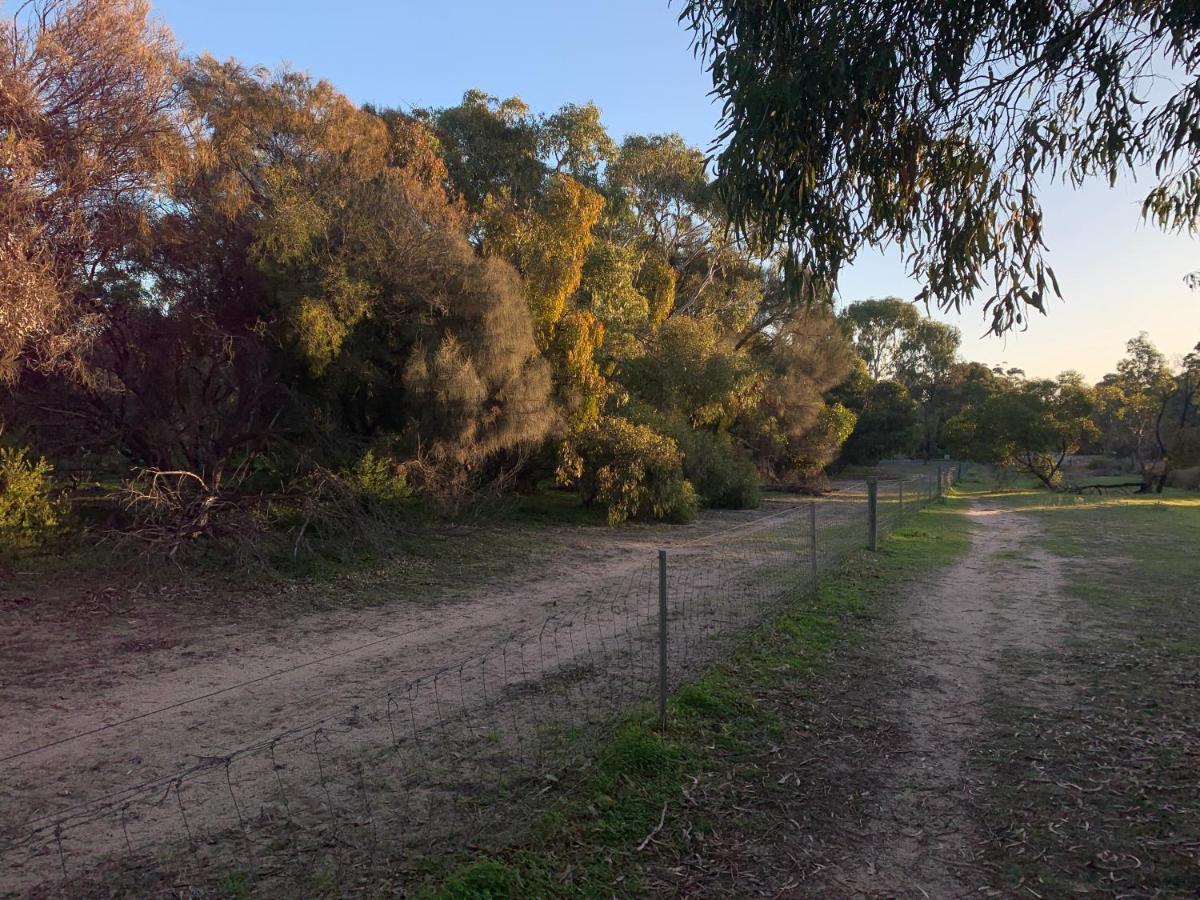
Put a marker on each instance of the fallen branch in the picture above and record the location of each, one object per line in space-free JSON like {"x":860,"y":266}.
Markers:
{"x":657,"y":829}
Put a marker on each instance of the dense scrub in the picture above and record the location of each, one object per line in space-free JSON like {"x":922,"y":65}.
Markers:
{"x":262,"y":298}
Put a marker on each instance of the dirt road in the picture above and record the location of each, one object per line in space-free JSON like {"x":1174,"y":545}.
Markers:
{"x":949,"y":639}
{"x":114,"y":697}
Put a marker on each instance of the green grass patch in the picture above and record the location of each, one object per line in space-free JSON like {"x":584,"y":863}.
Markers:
{"x":548,"y":505}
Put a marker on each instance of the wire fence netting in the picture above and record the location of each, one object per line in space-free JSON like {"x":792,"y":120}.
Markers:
{"x":447,"y":759}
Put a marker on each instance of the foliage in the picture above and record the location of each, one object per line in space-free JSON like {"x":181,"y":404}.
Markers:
{"x":1146,"y":410}
{"x":630,"y":471}
{"x":897,"y":344}
{"x":547,"y":242}
{"x":723,"y":476}
{"x":1031,"y":425}
{"x":87,"y":126}
{"x":694,"y":370}
{"x":878,"y":329}
{"x":889,"y":424}
{"x":220,"y":277}
{"x":933,"y":125}
{"x":925,"y":364}
{"x":792,"y":430}
{"x":380,"y":479}
{"x":29,"y":508}
{"x":1185,"y":447}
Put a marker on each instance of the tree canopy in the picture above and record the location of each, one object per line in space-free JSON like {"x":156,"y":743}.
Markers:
{"x":242,"y":278}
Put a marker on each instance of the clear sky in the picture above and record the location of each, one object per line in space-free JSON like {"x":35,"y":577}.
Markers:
{"x":632,"y":59}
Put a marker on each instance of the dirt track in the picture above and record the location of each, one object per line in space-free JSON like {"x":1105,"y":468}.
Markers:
{"x":1004,"y":596}
{"x":181,"y":693}
{"x":872,"y":790}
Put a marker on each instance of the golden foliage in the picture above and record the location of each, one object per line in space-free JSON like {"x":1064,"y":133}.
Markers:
{"x":583,"y":387}
{"x":547,"y":243}
{"x":656,"y":281}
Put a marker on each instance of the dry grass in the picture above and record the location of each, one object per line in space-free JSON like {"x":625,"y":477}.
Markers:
{"x":1092,"y":787}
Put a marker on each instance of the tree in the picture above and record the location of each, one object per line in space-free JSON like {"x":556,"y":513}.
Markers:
{"x":1146,"y":383}
{"x":1183,"y":440}
{"x":932,"y":125}
{"x":878,"y":328}
{"x":1028,"y":425}
{"x":890,"y":423}
{"x":306,"y":278}
{"x":87,"y":129}
{"x":792,"y":430}
{"x":695,"y":371}
{"x":924,"y":363}
{"x":529,"y":181}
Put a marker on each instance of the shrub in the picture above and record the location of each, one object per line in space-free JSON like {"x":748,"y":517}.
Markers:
{"x":629,"y":470}
{"x":1187,"y":479}
{"x":1183,"y":447}
{"x":724,"y":478}
{"x":379,"y":479}
{"x":29,"y":511}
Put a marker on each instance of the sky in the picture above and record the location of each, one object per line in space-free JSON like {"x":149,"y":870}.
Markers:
{"x":1118,"y":275}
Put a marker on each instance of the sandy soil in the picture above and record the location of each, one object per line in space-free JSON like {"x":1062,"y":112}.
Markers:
{"x":1003,"y":597}
{"x":105,"y":692}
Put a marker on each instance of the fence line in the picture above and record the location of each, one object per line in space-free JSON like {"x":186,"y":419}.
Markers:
{"x":417,"y":764}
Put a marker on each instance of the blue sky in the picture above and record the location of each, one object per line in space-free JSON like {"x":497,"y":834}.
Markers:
{"x":1118,"y":275}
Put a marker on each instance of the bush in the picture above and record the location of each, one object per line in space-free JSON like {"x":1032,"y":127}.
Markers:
{"x":29,"y":511}
{"x":1187,"y":479}
{"x":1183,"y":447}
{"x":380,"y":479}
{"x":629,"y":470}
{"x":724,"y":478}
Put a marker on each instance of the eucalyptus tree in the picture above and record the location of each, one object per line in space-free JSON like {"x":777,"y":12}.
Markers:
{"x":934,"y":125}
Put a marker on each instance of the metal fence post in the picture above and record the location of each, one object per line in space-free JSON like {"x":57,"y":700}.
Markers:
{"x":900,"y":482}
{"x":873,"y":513}
{"x":662,"y":639}
{"x":812,"y":543}
{"x":939,"y":482}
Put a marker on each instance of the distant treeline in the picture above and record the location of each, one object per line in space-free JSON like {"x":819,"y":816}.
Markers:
{"x":911,"y":394}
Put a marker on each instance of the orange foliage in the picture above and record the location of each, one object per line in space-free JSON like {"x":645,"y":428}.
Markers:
{"x":86,"y":103}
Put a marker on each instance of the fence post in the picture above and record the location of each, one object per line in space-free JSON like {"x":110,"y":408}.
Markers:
{"x":873,"y":513}
{"x":900,"y":482}
{"x":812,"y":543}
{"x":938,"y":495}
{"x":662,"y":639}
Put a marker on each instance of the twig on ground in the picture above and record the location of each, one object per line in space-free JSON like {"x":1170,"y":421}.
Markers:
{"x":657,"y":828}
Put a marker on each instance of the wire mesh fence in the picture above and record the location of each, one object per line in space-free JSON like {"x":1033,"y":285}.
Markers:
{"x":419,"y":764}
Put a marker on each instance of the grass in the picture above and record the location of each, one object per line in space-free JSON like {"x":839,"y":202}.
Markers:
{"x":546,"y":506}
{"x":610,"y":832}
{"x":1093,"y":781}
